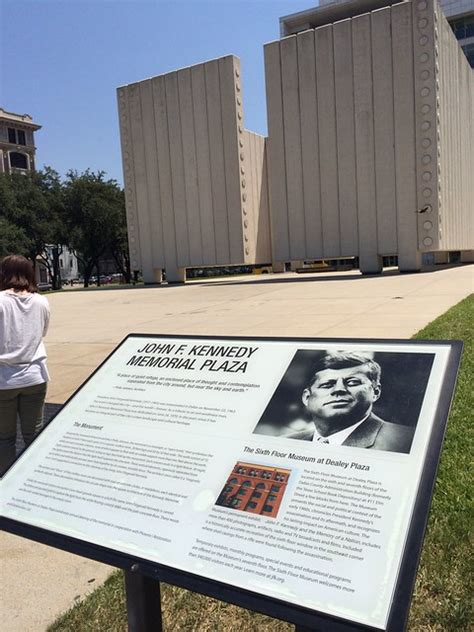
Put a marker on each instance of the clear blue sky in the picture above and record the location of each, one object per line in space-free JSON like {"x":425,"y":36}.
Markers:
{"x":63,"y":60}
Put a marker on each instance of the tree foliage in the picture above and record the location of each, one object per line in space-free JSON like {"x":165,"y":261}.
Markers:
{"x":95,"y":214}
{"x":39,"y":214}
{"x":30,"y":214}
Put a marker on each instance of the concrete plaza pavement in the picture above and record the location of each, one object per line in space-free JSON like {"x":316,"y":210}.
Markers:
{"x":37,"y":583}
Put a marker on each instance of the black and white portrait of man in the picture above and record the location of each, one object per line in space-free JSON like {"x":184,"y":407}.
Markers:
{"x":339,"y":398}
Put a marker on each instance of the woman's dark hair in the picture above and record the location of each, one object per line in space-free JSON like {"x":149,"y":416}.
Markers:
{"x":17,"y":273}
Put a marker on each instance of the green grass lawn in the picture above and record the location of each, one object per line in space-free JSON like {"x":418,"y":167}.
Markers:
{"x":442,"y":600}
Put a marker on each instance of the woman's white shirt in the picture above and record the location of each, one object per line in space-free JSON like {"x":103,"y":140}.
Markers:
{"x":24,"y":320}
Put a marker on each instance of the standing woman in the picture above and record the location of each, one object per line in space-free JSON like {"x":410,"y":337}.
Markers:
{"x":24,"y":319}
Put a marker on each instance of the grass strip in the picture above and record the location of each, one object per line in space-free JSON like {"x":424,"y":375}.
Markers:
{"x":442,"y":600}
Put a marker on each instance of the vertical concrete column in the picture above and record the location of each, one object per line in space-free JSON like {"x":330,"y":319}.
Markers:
{"x":325,"y":88}
{"x":204,"y":176}
{"x":167,"y":257}
{"x":141,"y":181}
{"x":151,"y":197}
{"x":175,"y":274}
{"x":217,"y":162}
{"x":276,"y":155}
{"x":296,"y":265}
{"x":384,"y":133}
{"x":292,"y":134}
{"x":309,"y":145}
{"x":346,"y":151}
{"x":190,"y":170}
{"x":409,"y":257}
{"x":425,"y":53}
{"x":178,"y":185}
{"x":129,"y":179}
{"x":369,"y":260}
{"x":455,"y":139}
{"x":232,"y":129}
{"x":158,"y":274}
{"x":255,"y":212}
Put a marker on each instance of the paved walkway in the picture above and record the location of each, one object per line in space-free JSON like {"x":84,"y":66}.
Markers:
{"x":37,"y":583}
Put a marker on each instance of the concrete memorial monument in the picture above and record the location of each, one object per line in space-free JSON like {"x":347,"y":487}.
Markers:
{"x":370,"y":148}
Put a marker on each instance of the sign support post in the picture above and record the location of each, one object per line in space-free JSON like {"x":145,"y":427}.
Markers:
{"x":143,"y":603}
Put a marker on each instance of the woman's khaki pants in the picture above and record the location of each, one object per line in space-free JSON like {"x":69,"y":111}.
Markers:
{"x":27,"y":403}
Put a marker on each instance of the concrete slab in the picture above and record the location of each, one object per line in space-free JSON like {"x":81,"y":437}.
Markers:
{"x":86,"y":326}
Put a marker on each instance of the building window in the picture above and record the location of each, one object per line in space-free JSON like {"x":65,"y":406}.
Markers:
{"x":469,"y":52}
{"x":267,"y":508}
{"x":18,"y":161}
{"x":251,"y":505}
{"x":464,"y":27}
{"x":275,"y":488}
{"x":16,"y":136}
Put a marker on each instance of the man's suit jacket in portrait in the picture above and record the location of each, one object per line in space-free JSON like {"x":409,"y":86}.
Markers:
{"x":374,"y":434}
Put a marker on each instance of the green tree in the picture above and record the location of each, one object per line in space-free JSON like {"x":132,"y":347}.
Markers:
{"x":13,"y":240}
{"x":119,"y":246}
{"x":95,"y":214}
{"x":30,"y":212}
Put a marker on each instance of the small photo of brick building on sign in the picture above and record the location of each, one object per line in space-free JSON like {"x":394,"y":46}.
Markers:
{"x":258,"y":489}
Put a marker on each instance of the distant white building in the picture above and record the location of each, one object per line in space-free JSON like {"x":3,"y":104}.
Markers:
{"x":459,"y":13}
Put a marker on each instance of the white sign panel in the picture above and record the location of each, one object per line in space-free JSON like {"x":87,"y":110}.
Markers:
{"x":286,"y":468}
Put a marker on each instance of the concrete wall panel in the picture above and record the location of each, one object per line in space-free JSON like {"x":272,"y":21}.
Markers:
{"x":276,"y":154}
{"x":129,"y":180}
{"x":151,"y":169}
{"x":198,"y":82}
{"x":345,"y":170}
{"x":346,"y":153}
{"x":168,"y":256}
{"x":405,"y":139}
{"x":364,"y":135}
{"x":216,"y":148}
{"x":190,"y":181}
{"x":141,"y":181}
{"x":249,"y":172}
{"x":386,"y":204}
{"x":326,"y":99}
{"x":292,"y":134}
{"x":232,"y":118}
{"x":256,"y":217}
{"x":311,"y":185}
{"x":177,"y":169}
{"x":424,"y":56}
{"x":193,"y":186}
{"x":455,"y":127}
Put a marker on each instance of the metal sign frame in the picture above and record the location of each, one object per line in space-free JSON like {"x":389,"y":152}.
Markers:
{"x":280,"y":609}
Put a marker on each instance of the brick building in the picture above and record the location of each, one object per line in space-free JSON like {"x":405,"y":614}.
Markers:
{"x":255,"y":488}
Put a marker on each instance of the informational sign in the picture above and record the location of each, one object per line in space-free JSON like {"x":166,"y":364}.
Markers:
{"x":292,"y":469}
